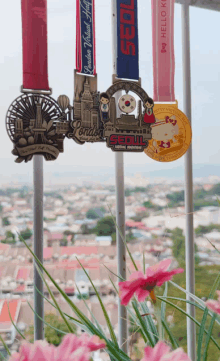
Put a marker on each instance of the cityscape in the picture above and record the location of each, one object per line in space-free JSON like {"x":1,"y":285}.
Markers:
{"x":80,"y":230}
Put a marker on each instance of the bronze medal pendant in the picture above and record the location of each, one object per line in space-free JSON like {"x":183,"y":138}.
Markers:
{"x":86,"y":124}
{"x":131,"y":131}
{"x":35,"y":122}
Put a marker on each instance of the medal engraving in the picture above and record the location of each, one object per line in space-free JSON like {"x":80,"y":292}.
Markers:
{"x":171,"y":134}
{"x":86,"y":125}
{"x":36,"y":124}
{"x":129,"y":132}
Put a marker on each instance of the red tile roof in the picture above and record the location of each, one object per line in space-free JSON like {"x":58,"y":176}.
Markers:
{"x":79,"y":250}
{"x":69,"y":290}
{"x":66,"y":264}
{"x":20,"y":288}
{"x":23,"y":272}
{"x":14,"y":308}
{"x":48,"y":252}
{"x":55,"y":237}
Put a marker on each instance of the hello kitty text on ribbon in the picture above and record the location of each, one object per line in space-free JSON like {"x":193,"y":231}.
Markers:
{"x":85,"y":37}
{"x":163,"y":50}
{"x":127,"y":40}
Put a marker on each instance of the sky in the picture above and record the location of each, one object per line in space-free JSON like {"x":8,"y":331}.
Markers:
{"x":205,"y":80}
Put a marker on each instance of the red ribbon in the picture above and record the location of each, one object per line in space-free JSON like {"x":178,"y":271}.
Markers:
{"x":34,"y":29}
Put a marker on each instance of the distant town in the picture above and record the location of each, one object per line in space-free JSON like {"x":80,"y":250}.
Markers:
{"x":79,"y":226}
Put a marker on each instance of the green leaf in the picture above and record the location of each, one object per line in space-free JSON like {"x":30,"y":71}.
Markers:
{"x":144,"y":264}
{"x":14,"y":323}
{"x":208,"y":338}
{"x":111,"y":330}
{"x":54,"y":300}
{"x":118,"y":355}
{"x":204,"y":318}
{"x":192,"y":318}
{"x":121,"y":278}
{"x":97,"y":324}
{"x":163,"y":307}
{"x":150,"y":322}
{"x":143,"y":324}
{"x":46,"y":323}
{"x":5,"y":346}
{"x":172,"y":338}
{"x":125,"y":243}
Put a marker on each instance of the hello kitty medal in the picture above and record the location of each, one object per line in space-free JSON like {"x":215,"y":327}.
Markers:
{"x":171,"y":133}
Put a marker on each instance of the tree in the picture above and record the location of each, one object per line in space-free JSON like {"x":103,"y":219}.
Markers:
{"x":149,"y":204}
{"x":175,"y":198}
{"x":1,"y":208}
{"x":52,"y":336}
{"x":179,"y":246}
{"x":5,"y":221}
{"x":92,"y":214}
{"x":26,"y":234}
{"x":85,"y":229}
{"x":10,"y":238}
{"x":63,"y":243}
{"x":105,"y":227}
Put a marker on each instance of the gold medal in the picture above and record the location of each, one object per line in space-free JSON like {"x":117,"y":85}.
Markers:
{"x":171,"y":134}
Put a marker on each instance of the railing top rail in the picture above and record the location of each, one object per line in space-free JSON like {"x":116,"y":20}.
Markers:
{"x":204,"y":4}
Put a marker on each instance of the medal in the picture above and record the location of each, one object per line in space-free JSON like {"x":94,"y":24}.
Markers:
{"x":35,"y":122}
{"x":171,"y":133}
{"x":131,"y":131}
{"x":86,"y":125}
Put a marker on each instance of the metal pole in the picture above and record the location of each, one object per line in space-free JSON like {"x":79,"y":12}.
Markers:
{"x":120,"y":204}
{"x":38,"y":245}
{"x":189,"y":244}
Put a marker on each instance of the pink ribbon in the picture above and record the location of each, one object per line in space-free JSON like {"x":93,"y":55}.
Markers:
{"x":163,"y":50}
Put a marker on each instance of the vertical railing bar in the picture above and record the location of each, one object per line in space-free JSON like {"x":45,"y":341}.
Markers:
{"x":189,"y":244}
{"x":120,"y":203}
{"x":38,"y":245}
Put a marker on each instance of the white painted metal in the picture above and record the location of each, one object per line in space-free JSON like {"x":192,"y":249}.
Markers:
{"x":120,"y":203}
{"x":204,"y":4}
{"x":38,"y":245}
{"x":189,"y":243}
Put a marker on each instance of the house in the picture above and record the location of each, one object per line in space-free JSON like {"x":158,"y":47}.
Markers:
{"x":85,"y":240}
{"x":7,"y":329}
{"x":82,"y":282}
{"x":104,"y":240}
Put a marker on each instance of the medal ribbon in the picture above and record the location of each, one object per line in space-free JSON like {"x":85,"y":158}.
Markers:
{"x":85,"y":37}
{"x":34,"y":38}
{"x":163,"y":50}
{"x":127,"y":44}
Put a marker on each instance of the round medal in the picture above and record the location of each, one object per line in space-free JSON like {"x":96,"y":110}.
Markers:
{"x":171,"y":134}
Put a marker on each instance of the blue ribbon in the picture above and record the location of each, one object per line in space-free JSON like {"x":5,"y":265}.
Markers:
{"x":87,"y":37}
{"x":127,"y":40}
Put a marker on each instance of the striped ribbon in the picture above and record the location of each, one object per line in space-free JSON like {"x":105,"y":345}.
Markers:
{"x":85,"y":37}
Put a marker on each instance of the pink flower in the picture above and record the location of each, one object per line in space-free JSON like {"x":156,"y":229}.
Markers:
{"x":93,"y":343}
{"x":143,"y":285}
{"x":214,"y":305}
{"x":40,"y":350}
{"x":72,"y":348}
{"x":162,"y":352}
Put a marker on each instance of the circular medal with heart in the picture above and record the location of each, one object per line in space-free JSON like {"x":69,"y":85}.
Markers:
{"x":171,"y":134}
